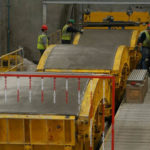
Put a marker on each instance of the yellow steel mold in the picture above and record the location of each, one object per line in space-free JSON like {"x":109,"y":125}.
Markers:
{"x":120,"y":70}
{"x":27,"y":131}
{"x":44,"y":57}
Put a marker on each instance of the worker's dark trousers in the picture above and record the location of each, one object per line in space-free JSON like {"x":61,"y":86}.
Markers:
{"x":42,"y":51}
{"x":66,"y":42}
{"x":145,"y":62}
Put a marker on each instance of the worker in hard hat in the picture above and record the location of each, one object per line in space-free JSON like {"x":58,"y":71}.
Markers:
{"x":144,"y":42}
{"x":42,"y":40}
{"x":67,"y":31}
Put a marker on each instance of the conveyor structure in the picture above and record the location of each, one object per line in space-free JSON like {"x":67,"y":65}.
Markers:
{"x":107,"y":52}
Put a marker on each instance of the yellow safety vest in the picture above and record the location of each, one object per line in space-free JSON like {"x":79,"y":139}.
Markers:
{"x":66,"y":35}
{"x":146,"y":42}
{"x":40,"y":45}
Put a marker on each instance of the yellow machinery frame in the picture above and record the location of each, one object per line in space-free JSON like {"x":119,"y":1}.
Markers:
{"x":35,"y":130}
{"x":141,"y":17}
{"x":121,"y":70}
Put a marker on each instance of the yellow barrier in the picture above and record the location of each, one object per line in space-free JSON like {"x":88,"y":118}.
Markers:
{"x":12,"y":61}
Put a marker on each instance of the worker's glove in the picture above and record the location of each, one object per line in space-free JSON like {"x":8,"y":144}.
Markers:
{"x":81,"y":31}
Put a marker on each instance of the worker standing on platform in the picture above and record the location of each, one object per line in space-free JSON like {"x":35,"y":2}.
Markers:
{"x":42,"y":40}
{"x":144,"y":43}
{"x":67,"y":32}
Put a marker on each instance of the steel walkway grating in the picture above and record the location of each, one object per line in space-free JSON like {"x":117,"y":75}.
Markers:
{"x":132,"y":127}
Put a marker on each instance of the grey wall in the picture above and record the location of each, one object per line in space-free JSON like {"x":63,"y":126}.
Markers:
{"x":25,"y":24}
{"x":25,"y":20}
{"x":3,"y":27}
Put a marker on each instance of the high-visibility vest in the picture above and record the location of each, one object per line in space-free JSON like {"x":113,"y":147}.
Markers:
{"x":40,"y":45}
{"x":66,"y":35}
{"x":146,"y":42}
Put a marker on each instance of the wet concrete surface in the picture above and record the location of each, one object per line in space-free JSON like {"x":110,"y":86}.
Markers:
{"x":96,"y":50}
{"x":36,"y":106}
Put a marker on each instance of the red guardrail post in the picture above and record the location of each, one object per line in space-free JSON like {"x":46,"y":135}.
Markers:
{"x":18,"y":89}
{"x":54,"y":89}
{"x":79,"y":93}
{"x":113,"y":113}
{"x":42,"y":89}
{"x":66,"y":90}
{"x":103,"y":116}
{"x":30,"y":90}
{"x":5,"y":77}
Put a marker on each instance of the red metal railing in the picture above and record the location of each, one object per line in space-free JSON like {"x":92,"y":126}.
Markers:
{"x":66,"y":77}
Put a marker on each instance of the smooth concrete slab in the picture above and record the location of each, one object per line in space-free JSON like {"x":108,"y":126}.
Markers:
{"x":108,"y":39}
{"x":132,"y":126}
{"x":79,"y":57}
{"x":36,"y":106}
{"x":96,"y":50}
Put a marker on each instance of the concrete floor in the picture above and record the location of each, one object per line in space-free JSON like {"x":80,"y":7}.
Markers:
{"x":132,"y":126}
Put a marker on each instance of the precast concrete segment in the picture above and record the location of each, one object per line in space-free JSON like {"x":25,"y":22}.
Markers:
{"x":132,"y":126}
{"x":36,"y":106}
{"x":107,"y":43}
{"x":78,"y":57}
{"x":109,"y":39}
{"x":96,"y":50}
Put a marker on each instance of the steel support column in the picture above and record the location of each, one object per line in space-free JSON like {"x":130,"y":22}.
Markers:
{"x":44,"y":13}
